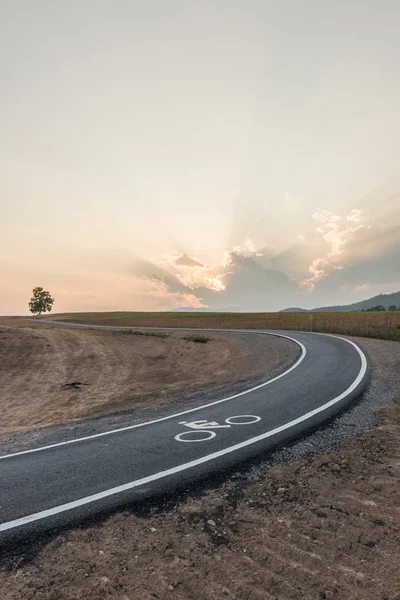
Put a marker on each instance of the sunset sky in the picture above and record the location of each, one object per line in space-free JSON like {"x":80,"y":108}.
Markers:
{"x":171,"y":153}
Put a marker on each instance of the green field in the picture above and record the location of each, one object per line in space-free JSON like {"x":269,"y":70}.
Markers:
{"x":385,"y":325}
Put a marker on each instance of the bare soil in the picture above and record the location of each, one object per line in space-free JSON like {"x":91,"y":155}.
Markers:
{"x":51,"y":375}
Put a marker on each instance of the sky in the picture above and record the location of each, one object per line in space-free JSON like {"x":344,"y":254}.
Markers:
{"x":227,"y":154}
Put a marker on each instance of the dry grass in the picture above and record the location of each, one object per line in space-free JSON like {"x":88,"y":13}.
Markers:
{"x":385,"y":325}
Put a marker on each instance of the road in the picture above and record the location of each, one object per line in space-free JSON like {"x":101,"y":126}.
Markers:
{"x":66,"y":483}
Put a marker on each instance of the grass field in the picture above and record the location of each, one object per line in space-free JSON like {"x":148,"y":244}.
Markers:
{"x":385,"y":325}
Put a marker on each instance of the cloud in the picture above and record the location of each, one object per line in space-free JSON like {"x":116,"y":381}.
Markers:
{"x":316,"y":271}
{"x":148,"y":270}
{"x":245,"y":284}
{"x":246,"y":249}
{"x":195,"y":279}
{"x":183,"y":260}
{"x":193,"y":274}
{"x":165,"y":299}
{"x":198,"y":277}
{"x":336,"y":232}
{"x":215,"y":283}
{"x":354,"y":216}
{"x":294,"y":260}
{"x":183,"y":287}
{"x":251,"y":286}
{"x":240,"y":280}
{"x":369,"y":264}
{"x":340,"y":259}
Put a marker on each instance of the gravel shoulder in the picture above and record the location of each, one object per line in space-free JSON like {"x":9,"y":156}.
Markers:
{"x":321,"y":526}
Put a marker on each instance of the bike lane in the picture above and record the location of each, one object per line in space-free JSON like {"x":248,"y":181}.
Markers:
{"x":67,"y":482}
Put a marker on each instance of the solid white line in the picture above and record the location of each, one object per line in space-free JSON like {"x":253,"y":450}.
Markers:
{"x":185,"y":412}
{"x":189,"y":465}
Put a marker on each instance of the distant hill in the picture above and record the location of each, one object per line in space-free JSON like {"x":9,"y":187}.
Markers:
{"x":295,"y":309}
{"x":385,"y":300}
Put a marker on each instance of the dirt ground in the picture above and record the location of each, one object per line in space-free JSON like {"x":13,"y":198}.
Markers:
{"x":323,"y":529}
{"x":112,"y":371}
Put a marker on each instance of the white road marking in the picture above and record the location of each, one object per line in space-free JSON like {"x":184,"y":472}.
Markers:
{"x":208,"y":426}
{"x":185,"y":412}
{"x":204,"y":424}
{"x":193,"y":463}
{"x":187,"y":436}
{"x":253,"y":419}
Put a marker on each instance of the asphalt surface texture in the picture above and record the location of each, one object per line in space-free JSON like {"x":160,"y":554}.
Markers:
{"x":67,"y":483}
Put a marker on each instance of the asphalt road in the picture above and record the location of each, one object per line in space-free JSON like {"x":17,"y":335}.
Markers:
{"x":66,"y":483}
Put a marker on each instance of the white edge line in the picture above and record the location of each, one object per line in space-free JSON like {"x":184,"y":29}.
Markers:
{"x":185,"y":412}
{"x":194,"y":463}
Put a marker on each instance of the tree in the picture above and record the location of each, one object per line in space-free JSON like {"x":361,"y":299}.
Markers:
{"x":392,"y":307}
{"x":378,"y":308}
{"x":41,"y":301}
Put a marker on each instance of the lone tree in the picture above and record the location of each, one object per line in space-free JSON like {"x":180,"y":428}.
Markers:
{"x":41,"y":301}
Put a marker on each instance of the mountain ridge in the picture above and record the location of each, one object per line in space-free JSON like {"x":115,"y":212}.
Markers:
{"x":385,"y":300}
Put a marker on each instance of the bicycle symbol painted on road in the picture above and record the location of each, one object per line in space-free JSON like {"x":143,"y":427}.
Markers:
{"x":202,"y":430}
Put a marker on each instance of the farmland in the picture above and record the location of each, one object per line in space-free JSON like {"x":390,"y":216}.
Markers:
{"x":384,"y":325}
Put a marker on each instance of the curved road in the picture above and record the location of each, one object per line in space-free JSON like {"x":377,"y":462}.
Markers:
{"x":65,"y":483}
